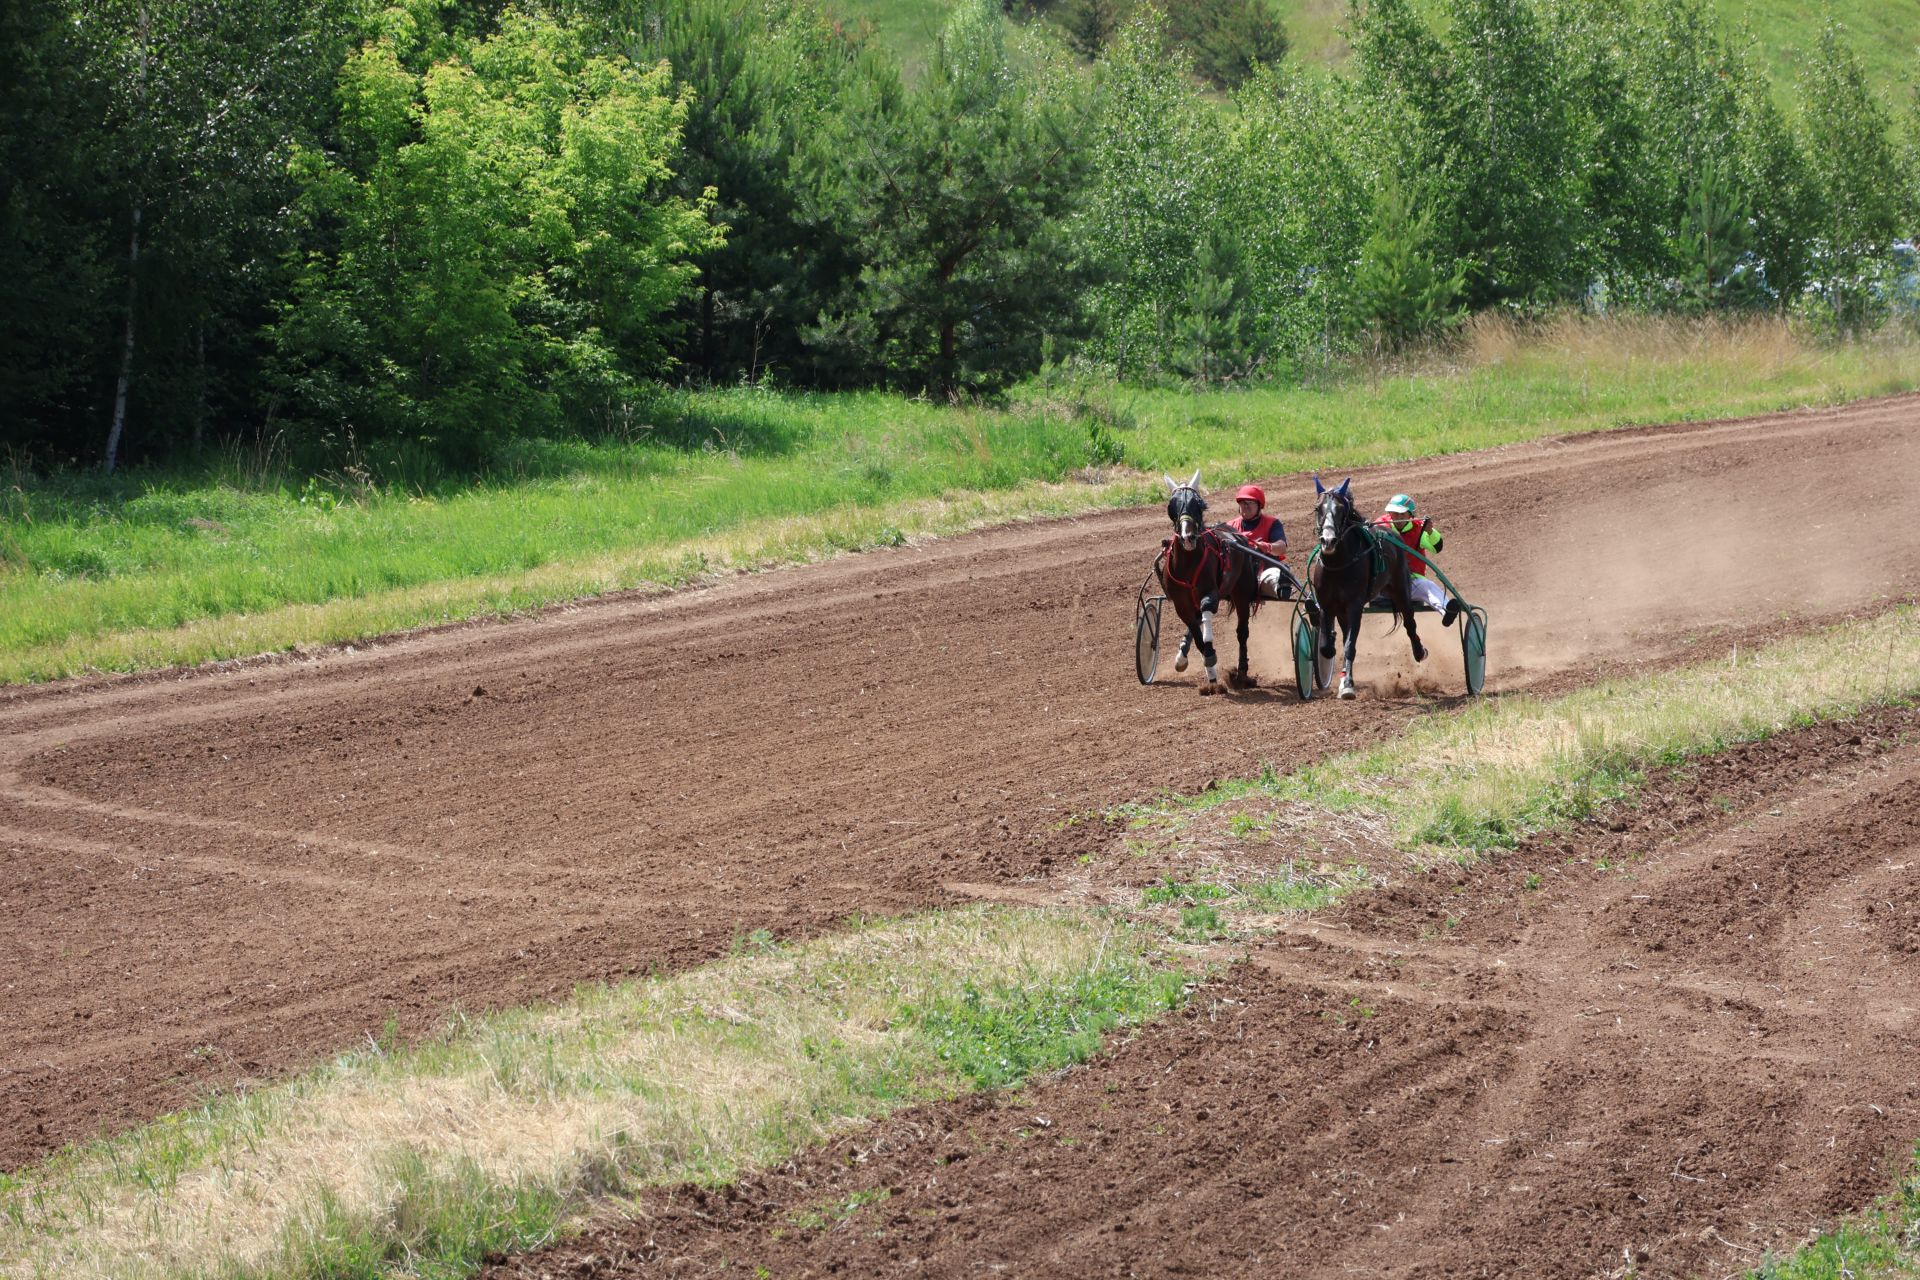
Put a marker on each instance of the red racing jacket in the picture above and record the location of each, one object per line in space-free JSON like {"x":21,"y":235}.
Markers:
{"x":1264,"y":530}
{"x":1416,"y":536}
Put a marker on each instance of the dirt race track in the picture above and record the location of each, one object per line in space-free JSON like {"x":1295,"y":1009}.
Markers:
{"x":217,"y":876}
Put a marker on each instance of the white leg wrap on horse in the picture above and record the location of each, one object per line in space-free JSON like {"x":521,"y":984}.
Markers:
{"x":1213,"y":674}
{"x":1206,"y":631}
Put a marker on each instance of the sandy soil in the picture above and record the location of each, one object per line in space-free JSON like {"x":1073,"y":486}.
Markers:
{"x":209,"y":877}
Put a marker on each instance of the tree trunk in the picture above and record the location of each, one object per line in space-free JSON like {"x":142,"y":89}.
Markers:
{"x":126,"y":349}
{"x":200,"y":393}
{"x":145,"y":30}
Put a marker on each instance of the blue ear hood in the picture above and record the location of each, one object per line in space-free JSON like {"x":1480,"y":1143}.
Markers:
{"x":1318,"y":488}
{"x":1344,"y":485}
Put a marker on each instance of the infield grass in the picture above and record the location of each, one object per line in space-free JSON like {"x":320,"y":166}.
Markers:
{"x":1459,"y":783}
{"x":422,"y":1160}
{"x":149,"y":570}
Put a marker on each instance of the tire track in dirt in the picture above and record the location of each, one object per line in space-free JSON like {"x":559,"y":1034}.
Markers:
{"x":490,"y":814}
{"x":1585,"y":1074}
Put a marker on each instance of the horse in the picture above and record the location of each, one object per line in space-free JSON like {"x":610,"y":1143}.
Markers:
{"x":1199,"y":570}
{"x":1354,"y":566}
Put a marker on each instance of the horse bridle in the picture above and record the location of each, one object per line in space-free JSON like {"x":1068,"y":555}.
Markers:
{"x":1180,"y":524}
{"x":1344,"y":511}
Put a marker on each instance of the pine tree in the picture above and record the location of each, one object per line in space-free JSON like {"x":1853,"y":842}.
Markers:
{"x":1399,"y":291}
{"x":954,"y":194}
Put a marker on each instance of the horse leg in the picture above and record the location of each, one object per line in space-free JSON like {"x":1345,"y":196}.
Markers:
{"x":1208,"y":655}
{"x":1351,"y":625}
{"x":1180,"y":658}
{"x":1239,"y":678}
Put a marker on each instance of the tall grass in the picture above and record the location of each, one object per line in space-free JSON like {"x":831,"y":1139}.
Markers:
{"x":423,"y":1160}
{"x":154,"y":570}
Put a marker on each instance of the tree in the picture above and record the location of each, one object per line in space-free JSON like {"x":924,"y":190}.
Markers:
{"x":1091,"y":25}
{"x":954,"y":195}
{"x":1850,"y":153}
{"x":1214,"y":338}
{"x":1156,"y":153}
{"x":760,"y":74}
{"x":1227,"y":38}
{"x":492,"y":251}
{"x":1715,"y":243}
{"x":203,"y":100}
{"x":53,"y":248}
{"x":1399,"y":291}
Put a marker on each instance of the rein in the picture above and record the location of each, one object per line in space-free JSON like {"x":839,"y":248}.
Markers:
{"x":1209,"y":549}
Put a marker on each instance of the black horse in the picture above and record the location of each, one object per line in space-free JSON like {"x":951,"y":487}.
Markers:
{"x":1199,"y":570}
{"x":1355,"y":565}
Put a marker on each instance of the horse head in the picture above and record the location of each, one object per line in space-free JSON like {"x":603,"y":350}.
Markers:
{"x":1333,"y":513}
{"x":1187,"y":509}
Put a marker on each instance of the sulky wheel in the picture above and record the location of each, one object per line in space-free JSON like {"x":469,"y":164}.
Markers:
{"x":1473,"y":648}
{"x":1146,"y":639}
{"x":1311,"y":672}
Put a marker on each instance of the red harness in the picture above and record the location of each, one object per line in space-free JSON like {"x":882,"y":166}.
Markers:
{"x":1210,"y":549}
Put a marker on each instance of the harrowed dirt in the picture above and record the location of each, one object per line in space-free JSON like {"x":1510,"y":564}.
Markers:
{"x":217,"y":876}
{"x":1660,"y":1045}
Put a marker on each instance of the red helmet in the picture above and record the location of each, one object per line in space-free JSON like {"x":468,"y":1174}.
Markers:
{"x":1252,"y":491}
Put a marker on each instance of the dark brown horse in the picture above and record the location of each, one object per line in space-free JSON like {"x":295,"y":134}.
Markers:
{"x":1200,"y":569}
{"x":1353,"y":566}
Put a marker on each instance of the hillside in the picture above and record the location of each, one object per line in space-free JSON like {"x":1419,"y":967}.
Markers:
{"x":1883,"y":31}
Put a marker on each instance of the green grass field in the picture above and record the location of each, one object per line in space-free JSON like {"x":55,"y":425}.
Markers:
{"x":146,"y":570}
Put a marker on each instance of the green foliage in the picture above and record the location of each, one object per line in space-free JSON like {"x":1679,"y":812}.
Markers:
{"x":953,"y":194}
{"x":53,"y":254}
{"x":1214,"y":333}
{"x":492,"y":251}
{"x":1850,"y":155}
{"x":1715,"y":240}
{"x":1089,"y":26}
{"x":1399,"y":292}
{"x":761,"y":75}
{"x":1227,"y":38}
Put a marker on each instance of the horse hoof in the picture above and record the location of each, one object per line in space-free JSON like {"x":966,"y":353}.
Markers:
{"x":1208,"y":689}
{"x":1240,"y":680}
{"x":1420,"y":653}
{"x":1348,"y":692}
{"x":1180,"y":663}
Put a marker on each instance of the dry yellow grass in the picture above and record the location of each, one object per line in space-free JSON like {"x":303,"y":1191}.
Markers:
{"x":689,"y":1076}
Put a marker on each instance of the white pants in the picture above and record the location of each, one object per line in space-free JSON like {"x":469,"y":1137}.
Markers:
{"x":1426,"y":591}
{"x":1273,"y":586}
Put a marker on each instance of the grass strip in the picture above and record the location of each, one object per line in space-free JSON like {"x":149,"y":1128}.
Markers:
{"x":147,"y":570}
{"x":423,"y":1160}
{"x":1879,"y":1244}
{"x":1458,"y":784}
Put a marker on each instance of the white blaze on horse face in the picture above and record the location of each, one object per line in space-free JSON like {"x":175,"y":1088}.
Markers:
{"x":1327,"y":510}
{"x":1189,"y":532}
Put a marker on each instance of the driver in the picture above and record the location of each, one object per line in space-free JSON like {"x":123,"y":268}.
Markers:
{"x":1266,"y":535}
{"x":1419,"y":536}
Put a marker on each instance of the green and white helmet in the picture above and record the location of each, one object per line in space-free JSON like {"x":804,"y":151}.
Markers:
{"x":1400,"y":505}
